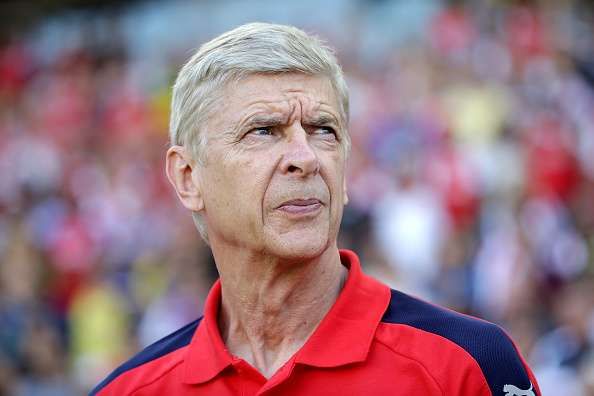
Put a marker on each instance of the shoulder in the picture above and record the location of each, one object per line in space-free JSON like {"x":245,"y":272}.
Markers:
{"x":149,"y":364}
{"x":486,"y":343}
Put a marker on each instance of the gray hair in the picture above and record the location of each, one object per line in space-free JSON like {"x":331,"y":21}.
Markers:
{"x":248,"y":49}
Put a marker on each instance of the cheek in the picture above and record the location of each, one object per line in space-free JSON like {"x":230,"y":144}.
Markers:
{"x":240,"y":186}
{"x":335,"y":181}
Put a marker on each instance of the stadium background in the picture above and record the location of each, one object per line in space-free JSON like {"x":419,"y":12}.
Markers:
{"x":471,"y":176}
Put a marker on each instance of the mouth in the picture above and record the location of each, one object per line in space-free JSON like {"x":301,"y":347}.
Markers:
{"x":301,"y":206}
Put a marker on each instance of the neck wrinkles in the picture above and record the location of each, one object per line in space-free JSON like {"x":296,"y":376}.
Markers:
{"x":269,"y":309}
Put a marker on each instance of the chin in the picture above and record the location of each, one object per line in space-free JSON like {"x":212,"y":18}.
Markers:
{"x":298,"y":248}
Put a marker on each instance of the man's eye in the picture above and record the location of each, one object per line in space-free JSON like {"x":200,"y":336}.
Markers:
{"x":261,"y":131}
{"x":325,"y":131}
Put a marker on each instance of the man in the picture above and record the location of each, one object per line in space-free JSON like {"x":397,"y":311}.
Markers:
{"x":259,"y":134}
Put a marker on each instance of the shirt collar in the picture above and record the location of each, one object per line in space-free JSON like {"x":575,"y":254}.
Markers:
{"x":207,"y":355}
{"x":344,"y":335}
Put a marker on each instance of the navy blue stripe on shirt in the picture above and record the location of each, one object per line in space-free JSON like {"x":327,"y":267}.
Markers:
{"x":170,"y":343}
{"x":485,"y":342}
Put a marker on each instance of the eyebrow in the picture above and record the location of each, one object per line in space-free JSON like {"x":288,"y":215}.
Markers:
{"x":265,"y":120}
{"x":322,"y":119}
{"x":273,"y":120}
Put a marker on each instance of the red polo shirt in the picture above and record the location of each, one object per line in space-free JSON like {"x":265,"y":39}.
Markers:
{"x":373,"y":341}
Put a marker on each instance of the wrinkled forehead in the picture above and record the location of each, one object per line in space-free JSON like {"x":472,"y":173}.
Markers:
{"x":284,"y":94}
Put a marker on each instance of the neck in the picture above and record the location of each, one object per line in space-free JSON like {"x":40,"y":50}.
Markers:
{"x":270,"y":308}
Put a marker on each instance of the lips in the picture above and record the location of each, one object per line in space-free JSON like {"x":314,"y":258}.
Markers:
{"x":300,"y":206}
{"x":301,"y":202}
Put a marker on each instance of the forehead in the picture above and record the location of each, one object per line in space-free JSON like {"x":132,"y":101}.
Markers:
{"x":282,"y":93}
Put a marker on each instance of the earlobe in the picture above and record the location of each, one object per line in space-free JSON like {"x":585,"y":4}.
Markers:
{"x":181,"y":171}
{"x":345,"y":196}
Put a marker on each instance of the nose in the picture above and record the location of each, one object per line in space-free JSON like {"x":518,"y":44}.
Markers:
{"x":299,"y":158}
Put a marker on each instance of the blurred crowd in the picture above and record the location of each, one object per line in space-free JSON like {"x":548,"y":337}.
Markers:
{"x":471,"y":176}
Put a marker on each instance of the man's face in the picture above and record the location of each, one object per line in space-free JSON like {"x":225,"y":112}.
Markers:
{"x":273,"y":178}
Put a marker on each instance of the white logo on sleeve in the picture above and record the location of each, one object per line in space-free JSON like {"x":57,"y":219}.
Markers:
{"x":511,"y":390}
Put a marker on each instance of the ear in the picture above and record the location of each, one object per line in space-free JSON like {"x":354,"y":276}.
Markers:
{"x":182,"y":172}
{"x":345,"y":196}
